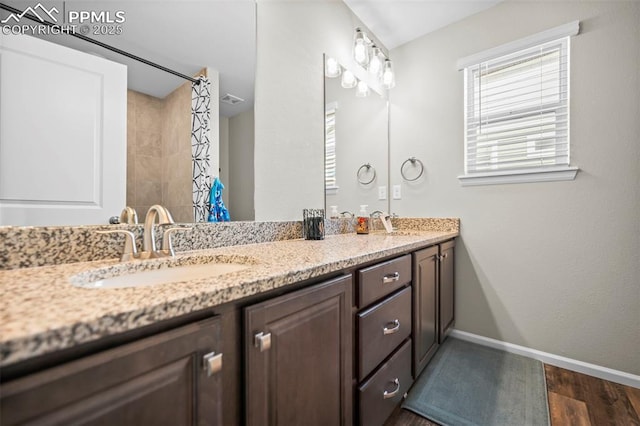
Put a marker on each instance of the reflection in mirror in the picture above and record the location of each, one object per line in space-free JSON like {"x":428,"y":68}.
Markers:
{"x":192,"y":37}
{"x":356,"y":147}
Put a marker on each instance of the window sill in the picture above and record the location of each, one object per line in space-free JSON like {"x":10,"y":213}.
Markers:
{"x":519,"y":176}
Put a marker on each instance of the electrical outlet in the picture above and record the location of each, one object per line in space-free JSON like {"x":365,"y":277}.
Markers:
{"x":397,"y":192}
{"x":382,"y":193}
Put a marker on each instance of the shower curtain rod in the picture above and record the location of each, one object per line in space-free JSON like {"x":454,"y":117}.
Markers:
{"x":99,"y":43}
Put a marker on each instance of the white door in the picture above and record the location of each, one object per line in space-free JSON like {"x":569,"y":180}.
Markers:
{"x":63,"y":131}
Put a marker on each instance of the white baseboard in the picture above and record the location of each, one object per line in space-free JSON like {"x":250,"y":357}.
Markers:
{"x":551,"y":359}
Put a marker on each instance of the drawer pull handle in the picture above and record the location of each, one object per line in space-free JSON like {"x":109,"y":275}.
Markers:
{"x":391,"y":278}
{"x":396,"y":326}
{"x":212,"y":363}
{"x":262,"y":341}
{"x":387,"y":395}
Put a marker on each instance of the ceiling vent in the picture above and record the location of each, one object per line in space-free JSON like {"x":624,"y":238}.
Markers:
{"x":231,"y":100}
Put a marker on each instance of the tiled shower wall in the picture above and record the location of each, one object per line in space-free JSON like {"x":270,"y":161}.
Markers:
{"x":176,"y":158}
{"x":159,"y":152}
{"x":144,"y":151}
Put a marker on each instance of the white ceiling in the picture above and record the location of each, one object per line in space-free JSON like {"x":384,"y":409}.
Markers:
{"x":395,"y":22}
{"x":185,"y":36}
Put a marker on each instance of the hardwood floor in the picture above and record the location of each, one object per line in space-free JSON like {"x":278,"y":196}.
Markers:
{"x":575,"y":399}
{"x":578,"y":399}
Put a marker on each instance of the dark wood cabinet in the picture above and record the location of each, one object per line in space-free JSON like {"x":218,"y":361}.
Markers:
{"x":447,"y":289}
{"x":170,"y":378}
{"x":293,"y":356}
{"x":426,"y":266}
{"x":433,"y":301}
{"x":298,"y":350}
{"x":383,"y":354}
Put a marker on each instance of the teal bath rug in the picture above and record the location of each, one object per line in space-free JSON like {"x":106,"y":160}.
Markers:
{"x":468,"y":384}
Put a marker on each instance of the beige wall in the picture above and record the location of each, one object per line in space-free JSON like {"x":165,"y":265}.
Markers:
{"x":289,"y":101}
{"x":159,"y":165}
{"x":159,"y":152}
{"x":144,"y":151}
{"x":361,"y":137}
{"x":552,"y":266}
{"x":224,"y":158}
{"x":241,"y":186}
{"x":177,"y":170}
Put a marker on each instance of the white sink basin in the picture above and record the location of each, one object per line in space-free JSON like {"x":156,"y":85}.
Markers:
{"x":160,"y":271}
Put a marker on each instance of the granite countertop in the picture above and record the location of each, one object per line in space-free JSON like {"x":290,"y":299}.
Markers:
{"x":41,"y":312}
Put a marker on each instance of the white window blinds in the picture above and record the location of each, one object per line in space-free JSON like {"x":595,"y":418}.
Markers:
{"x":330,"y":148}
{"x":517,"y":110}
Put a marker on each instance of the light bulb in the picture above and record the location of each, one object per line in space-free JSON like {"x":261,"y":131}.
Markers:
{"x":360,"y":48}
{"x":388,"y":77}
{"x":362,"y":90}
{"x":348,"y":80}
{"x":375,"y":64}
{"x":332,"y":68}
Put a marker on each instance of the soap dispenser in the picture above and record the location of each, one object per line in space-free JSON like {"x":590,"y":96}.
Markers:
{"x":334,"y":213}
{"x":362,"y":226}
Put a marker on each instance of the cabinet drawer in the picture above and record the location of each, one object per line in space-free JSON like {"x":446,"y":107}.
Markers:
{"x":381,"y":329}
{"x":385,"y":389}
{"x":377,"y":281}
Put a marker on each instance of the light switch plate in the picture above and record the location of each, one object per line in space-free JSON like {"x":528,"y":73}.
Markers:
{"x":382,"y":193}
{"x":397,"y":192}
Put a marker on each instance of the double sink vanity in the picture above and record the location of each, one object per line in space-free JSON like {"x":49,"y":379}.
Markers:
{"x":284,"y":331}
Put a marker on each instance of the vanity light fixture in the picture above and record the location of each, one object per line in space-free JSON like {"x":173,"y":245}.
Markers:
{"x":332,"y":68}
{"x":371,"y":58}
{"x":362,"y":90}
{"x":349,"y":80}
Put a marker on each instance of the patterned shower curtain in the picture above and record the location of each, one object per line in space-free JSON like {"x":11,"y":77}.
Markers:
{"x":200,"y":143}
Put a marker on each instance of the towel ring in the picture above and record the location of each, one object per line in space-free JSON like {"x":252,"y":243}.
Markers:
{"x":367,"y":167}
{"x":413,"y":161}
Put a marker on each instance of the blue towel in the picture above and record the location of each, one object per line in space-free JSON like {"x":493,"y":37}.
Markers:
{"x":217,"y":211}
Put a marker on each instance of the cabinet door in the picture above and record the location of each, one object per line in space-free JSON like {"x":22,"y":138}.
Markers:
{"x":160,"y":380}
{"x":425,"y":307}
{"x":447,"y":294}
{"x":298,"y":357}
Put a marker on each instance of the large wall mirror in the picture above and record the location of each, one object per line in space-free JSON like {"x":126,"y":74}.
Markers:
{"x":356,"y":146}
{"x":186,"y":36}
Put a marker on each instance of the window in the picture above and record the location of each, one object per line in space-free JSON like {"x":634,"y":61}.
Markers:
{"x":330,"y":183}
{"x":517,"y":114}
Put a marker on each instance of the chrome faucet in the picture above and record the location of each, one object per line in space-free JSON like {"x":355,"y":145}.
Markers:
{"x":385,"y":218}
{"x":149,"y":249}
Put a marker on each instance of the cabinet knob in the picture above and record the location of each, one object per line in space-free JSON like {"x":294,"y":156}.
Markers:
{"x":390,"y":330}
{"x":390,"y":278}
{"x":212,"y":363}
{"x":387,"y":395}
{"x":262,"y":341}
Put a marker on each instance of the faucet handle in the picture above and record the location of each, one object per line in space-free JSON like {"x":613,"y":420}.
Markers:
{"x":130,"y":251}
{"x":167,"y":245}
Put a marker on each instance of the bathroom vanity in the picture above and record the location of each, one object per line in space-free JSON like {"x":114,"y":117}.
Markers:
{"x":314,"y":332}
